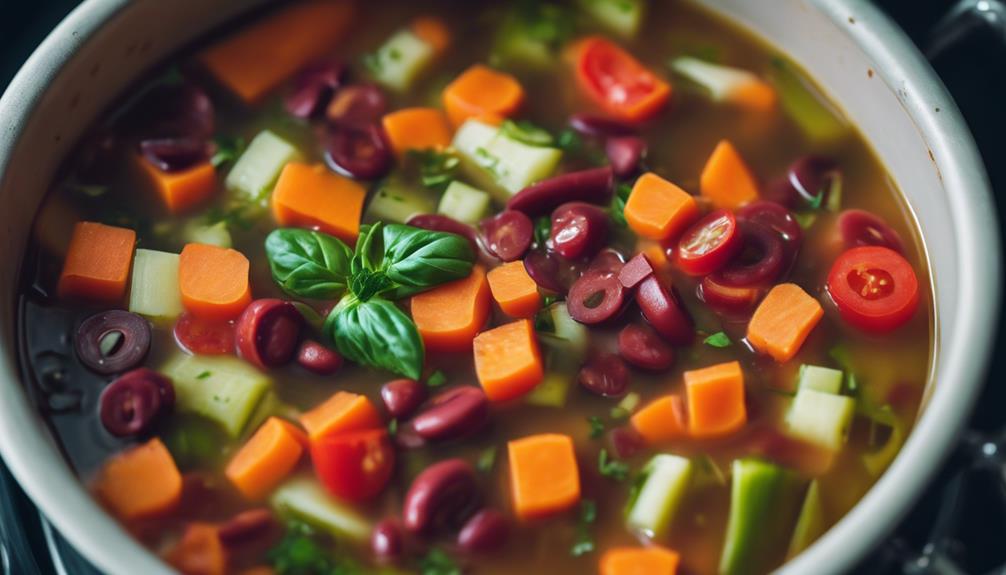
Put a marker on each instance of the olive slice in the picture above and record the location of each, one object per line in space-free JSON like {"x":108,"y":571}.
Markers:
{"x":112,"y":341}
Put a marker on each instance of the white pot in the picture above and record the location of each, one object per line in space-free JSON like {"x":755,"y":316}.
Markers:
{"x":902,"y":109}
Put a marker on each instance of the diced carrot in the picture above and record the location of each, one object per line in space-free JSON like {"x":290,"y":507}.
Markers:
{"x":180,"y":191}
{"x":310,"y":196}
{"x":715,"y":400}
{"x":269,"y":456}
{"x":342,"y":412}
{"x":661,"y":420}
{"x":544,"y":477}
{"x":433,"y":31}
{"x":141,"y":482}
{"x":200,"y":551}
{"x":639,"y":561}
{"x":659,"y":210}
{"x":484,"y":94}
{"x":783,"y":321}
{"x":97,"y":263}
{"x":416,"y":129}
{"x":758,"y":96}
{"x":514,"y":290}
{"x":260,"y":57}
{"x":726,"y":180}
{"x":449,"y":316}
{"x":213,"y":281}
{"x":508,"y":361}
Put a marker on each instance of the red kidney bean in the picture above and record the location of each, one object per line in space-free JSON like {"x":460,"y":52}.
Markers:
{"x":317,"y":358}
{"x":204,"y":337}
{"x":358,"y":153}
{"x":625,"y":442}
{"x":313,"y":88}
{"x":774,"y":216}
{"x":593,"y":186}
{"x":444,"y":495}
{"x":662,"y":309}
{"x":805,"y":179}
{"x":246,"y":527}
{"x":268,"y":331}
{"x":507,"y":235}
{"x":608,"y":262}
{"x":635,"y":271}
{"x":402,"y":396}
{"x":599,"y":126}
{"x":708,"y":244}
{"x":132,"y":404}
{"x":387,"y":542}
{"x":486,"y":531}
{"x":595,"y":297}
{"x":642,"y":347}
{"x":735,"y":299}
{"x":550,"y":271}
{"x":407,"y":438}
{"x":357,"y":107}
{"x":579,"y":230}
{"x":605,"y":375}
{"x":181,"y":110}
{"x":861,"y":228}
{"x":454,"y":413}
{"x":624,"y":154}
{"x":760,"y":261}
{"x":126,"y":338}
{"x":175,"y":154}
{"x":442,"y":223}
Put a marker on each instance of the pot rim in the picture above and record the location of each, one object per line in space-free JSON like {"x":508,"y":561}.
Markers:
{"x":963,"y":361}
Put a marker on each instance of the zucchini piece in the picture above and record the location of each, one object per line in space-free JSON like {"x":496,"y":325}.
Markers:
{"x":570,"y":338}
{"x":531,"y":35}
{"x":823,"y":379}
{"x":400,"y":60}
{"x":214,"y":234}
{"x":552,"y":391}
{"x":256,"y":171}
{"x":817,"y":117}
{"x":877,"y":461}
{"x":395,"y":201}
{"x":667,"y":479}
{"x":464,"y":203}
{"x":154,"y":289}
{"x":304,"y":498}
{"x":810,"y":524}
{"x":820,"y":418}
{"x":500,"y":164}
{"x":718,"y":80}
{"x":764,"y":502}
{"x":223,"y":389}
{"x":621,"y":17}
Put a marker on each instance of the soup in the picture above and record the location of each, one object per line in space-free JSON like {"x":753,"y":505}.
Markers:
{"x":604,"y":286}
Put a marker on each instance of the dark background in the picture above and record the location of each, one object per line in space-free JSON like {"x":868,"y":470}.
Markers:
{"x":961,"y":518}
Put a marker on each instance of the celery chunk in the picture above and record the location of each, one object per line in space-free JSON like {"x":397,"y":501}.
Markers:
{"x":464,"y":203}
{"x":810,"y":524}
{"x":667,"y":479}
{"x":256,"y":171}
{"x":820,"y":418}
{"x":823,"y":379}
{"x":304,"y":498}
{"x":502,"y":165}
{"x":400,"y":60}
{"x":154,"y":290}
{"x":622,"y":17}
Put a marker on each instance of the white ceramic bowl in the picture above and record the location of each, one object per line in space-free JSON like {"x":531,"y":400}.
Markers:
{"x":902,"y":108}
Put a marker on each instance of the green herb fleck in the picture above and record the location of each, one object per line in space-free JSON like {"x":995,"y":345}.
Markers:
{"x":486,"y":460}
{"x":438,"y":562}
{"x":584,"y":543}
{"x":635,"y":488}
{"x":718,"y":339}
{"x":617,"y":208}
{"x":526,"y":133}
{"x":543,"y":322}
{"x":569,"y":141}
{"x":610,"y":467}
{"x":303,"y":551}
{"x":805,"y":219}
{"x":437,"y":169}
{"x":393,"y":427}
{"x":596,"y":426}
{"x":549,"y":299}
{"x":204,"y":374}
{"x":815,"y":202}
{"x":228,"y":150}
{"x":487,"y":161}
{"x":436,"y":379}
{"x":542,"y":231}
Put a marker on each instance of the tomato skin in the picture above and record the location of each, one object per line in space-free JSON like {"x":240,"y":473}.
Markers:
{"x":617,"y":82}
{"x":874,"y":288}
{"x":709,"y":244}
{"x":354,"y":466}
{"x":204,"y":337}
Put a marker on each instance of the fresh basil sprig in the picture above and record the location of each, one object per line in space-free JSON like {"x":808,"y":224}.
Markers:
{"x":376,"y":333}
{"x":417,"y":259}
{"x":308,"y":264}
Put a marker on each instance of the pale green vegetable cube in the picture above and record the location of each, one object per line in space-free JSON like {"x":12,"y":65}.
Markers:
{"x":214,"y":234}
{"x":220,"y":388}
{"x":502,"y":165}
{"x":817,"y":117}
{"x":553,"y":390}
{"x":823,"y":379}
{"x":667,"y":479}
{"x":304,"y":498}
{"x":400,"y":60}
{"x":571,"y":337}
{"x":154,"y":291}
{"x":719,"y":81}
{"x":820,"y":418}
{"x":622,"y":17}
{"x":256,"y":171}
{"x":395,"y":201}
{"x":464,"y":203}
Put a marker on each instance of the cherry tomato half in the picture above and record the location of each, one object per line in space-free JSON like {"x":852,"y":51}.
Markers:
{"x":354,"y":466}
{"x":708,"y":244}
{"x":204,"y":337}
{"x":874,"y":288}
{"x":617,"y":82}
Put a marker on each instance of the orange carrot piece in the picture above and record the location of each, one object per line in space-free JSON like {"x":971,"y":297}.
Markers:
{"x":508,"y":361}
{"x":342,"y":412}
{"x":639,"y":561}
{"x":269,"y":456}
{"x":783,"y":321}
{"x":140,"y":482}
{"x":726,"y":180}
{"x":482,"y":93}
{"x":514,"y":290}
{"x":449,"y":316}
{"x":659,"y":210}
{"x":199,"y":551}
{"x":97,"y":263}
{"x":544,"y":477}
{"x":433,"y":31}
{"x":180,"y":191}
{"x":258,"y":58}
{"x":758,"y":96}
{"x":715,"y":400}
{"x":310,"y":196}
{"x":661,"y":420}
{"x":213,"y":281}
{"x":416,"y":129}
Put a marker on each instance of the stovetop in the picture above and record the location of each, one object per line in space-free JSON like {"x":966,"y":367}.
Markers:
{"x":959,"y":523}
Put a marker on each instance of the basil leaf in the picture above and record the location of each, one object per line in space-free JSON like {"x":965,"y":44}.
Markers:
{"x":308,"y":264}
{"x":416,"y":259}
{"x":378,"y":334}
{"x":368,"y":249}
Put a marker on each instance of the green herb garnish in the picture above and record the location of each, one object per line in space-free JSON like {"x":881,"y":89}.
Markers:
{"x":526,"y":133}
{"x":617,"y":208}
{"x":486,"y":460}
{"x":542,"y":231}
{"x":228,"y":150}
{"x":437,"y":169}
{"x":584,"y":543}
{"x":596,"y":426}
{"x":436,"y":379}
{"x":302,"y":551}
{"x":204,"y":375}
{"x":438,"y":562}
{"x":718,"y":339}
{"x":610,"y":467}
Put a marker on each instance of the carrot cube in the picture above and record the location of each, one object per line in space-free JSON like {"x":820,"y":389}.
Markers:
{"x":508,"y":361}
{"x":310,"y":196}
{"x":661,"y":420}
{"x":726,"y":180}
{"x":484,"y":94}
{"x":639,"y":561}
{"x":97,"y":263}
{"x":269,"y":456}
{"x":213,"y":281}
{"x":544,"y":477}
{"x":417,"y":129}
{"x":141,"y":482}
{"x":449,"y":316}
{"x":199,"y":551}
{"x":180,"y":191}
{"x":659,"y":210}
{"x":715,"y":400}
{"x":342,"y":412}
{"x":514,"y":290}
{"x":433,"y":31}
{"x":783,"y":321}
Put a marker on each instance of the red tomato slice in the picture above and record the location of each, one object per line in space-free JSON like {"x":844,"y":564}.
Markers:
{"x":874,"y":288}
{"x":708,"y":244}
{"x":617,"y":82}
{"x":204,"y":337}
{"x":354,"y":466}
{"x":728,"y":298}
